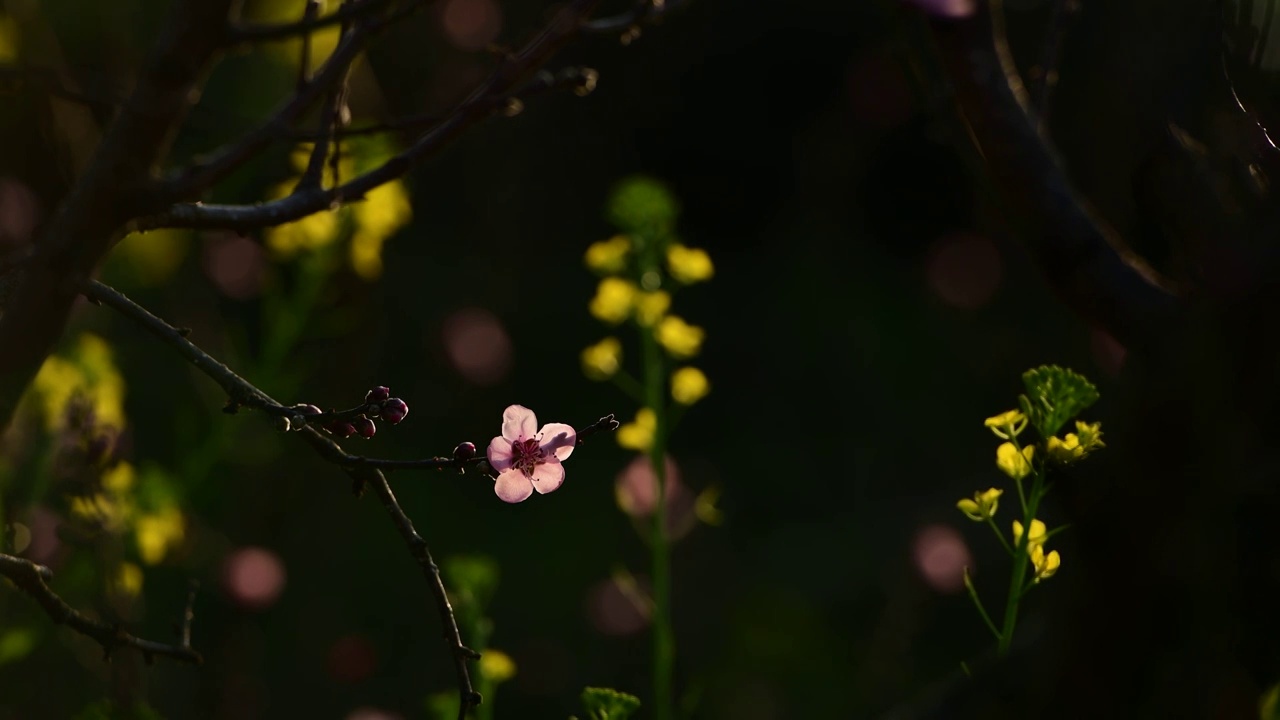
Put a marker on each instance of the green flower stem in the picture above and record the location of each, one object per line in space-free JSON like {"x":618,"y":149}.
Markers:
{"x":629,"y":385}
{"x":1021,"y":558}
{"x":663,"y":636}
{"x":973,"y":595}
{"x":999,"y":535}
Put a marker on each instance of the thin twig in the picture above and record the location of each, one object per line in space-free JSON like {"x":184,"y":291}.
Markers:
{"x":242,"y":33}
{"x":479,"y":105}
{"x":34,"y":579}
{"x":330,"y":120}
{"x":364,"y":472}
{"x":1042,"y":87}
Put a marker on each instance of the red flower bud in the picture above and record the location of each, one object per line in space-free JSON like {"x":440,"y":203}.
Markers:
{"x":394,"y":410}
{"x":365,"y":427}
{"x":464,"y":451}
{"x":342,"y":429}
{"x":377,"y":395}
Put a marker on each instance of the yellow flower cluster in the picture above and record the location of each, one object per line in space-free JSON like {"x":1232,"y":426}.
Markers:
{"x":983,"y":505}
{"x":638,"y":434}
{"x":618,"y":299}
{"x":371,"y":221}
{"x":87,"y":371}
{"x":1077,"y":445}
{"x":1044,"y":565}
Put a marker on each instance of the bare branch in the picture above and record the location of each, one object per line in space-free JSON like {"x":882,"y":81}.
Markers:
{"x":243,"y":33}
{"x":1084,"y":261}
{"x":107,"y":195}
{"x":33,"y":580}
{"x":480,"y":104}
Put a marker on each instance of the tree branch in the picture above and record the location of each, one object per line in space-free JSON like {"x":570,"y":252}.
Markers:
{"x":243,"y":33}
{"x":107,"y":195}
{"x":480,"y":104}
{"x":33,"y":580}
{"x":365,"y":472}
{"x":1084,"y":261}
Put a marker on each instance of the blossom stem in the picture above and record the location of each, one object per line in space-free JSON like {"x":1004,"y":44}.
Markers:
{"x":663,"y":635}
{"x":973,"y":595}
{"x":629,"y":385}
{"x":999,"y":535}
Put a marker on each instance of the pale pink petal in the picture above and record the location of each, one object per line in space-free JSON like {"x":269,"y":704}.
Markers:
{"x":512,"y":486}
{"x":499,"y":453}
{"x":558,"y":438}
{"x":548,"y":476}
{"x":519,"y":423}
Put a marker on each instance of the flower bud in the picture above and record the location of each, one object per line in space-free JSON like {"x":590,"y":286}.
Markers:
{"x":377,"y":395}
{"x":365,"y":427}
{"x":464,"y":451}
{"x":394,"y":410}
{"x":305,"y":409}
{"x":342,"y":429}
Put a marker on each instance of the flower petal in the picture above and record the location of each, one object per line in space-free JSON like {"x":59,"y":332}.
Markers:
{"x":518,"y":423}
{"x":499,"y":453}
{"x":548,"y":476}
{"x":558,"y":438}
{"x":512,"y":486}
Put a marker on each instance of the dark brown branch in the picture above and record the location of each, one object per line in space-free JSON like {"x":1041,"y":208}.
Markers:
{"x":330,"y":121}
{"x":1084,"y":261}
{"x":250,"y":33}
{"x":506,"y":79}
{"x":628,"y":22}
{"x":33,"y":580}
{"x":108,"y":194}
{"x":365,"y":472}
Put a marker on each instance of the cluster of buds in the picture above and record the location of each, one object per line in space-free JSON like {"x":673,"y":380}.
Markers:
{"x":378,"y":405}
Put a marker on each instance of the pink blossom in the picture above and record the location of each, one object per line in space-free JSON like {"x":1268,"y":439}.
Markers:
{"x":528,"y":460}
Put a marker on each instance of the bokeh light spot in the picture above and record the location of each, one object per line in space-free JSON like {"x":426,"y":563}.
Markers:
{"x":964,"y":270}
{"x":471,"y":24}
{"x":636,"y":491}
{"x":352,"y":659}
{"x":372,"y":713}
{"x":254,"y":577}
{"x":946,"y":8}
{"x":236,"y":265}
{"x":941,"y":555}
{"x":478,"y":345}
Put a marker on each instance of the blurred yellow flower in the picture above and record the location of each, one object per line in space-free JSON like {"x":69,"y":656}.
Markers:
{"x":600,"y":361}
{"x":609,"y":256}
{"x":8,"y":39}
{"x":678,"y":337}
{"x":614,"y":300}
{"x":156,"y":533}
{"x":108,"y":512}
{"x":689,"y":265}
{"x":638,"y":435}
{"x":1008,"y":424}
{"x":310,"y":233}
{"x":651,"y":306}
{"x":119,"y":479}
{"x":154,"y":256}
{"x":983,"y":505}
{"x":704,"y":507}
{"x":1015,"y":465}
{"x":127,"y":580}
{"x":384,"y":210}
{"x":1045,"y":565}
{"x":1035,"y":538}
{"x":689,"y":385}
{"x":497,"y":666}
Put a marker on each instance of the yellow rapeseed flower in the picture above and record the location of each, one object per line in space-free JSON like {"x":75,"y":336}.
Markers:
{"x":689,"y":385}
{"x":119,"y":479}
{"x":689,"y":265}
{"x":651,"y":307}
{"x":384,"y":210}
{"x":1035,"y":538}
{"x":1015,"y":465}
{"x":1045,"y":565}
{"x":497,"y":666}
{"x":983,"y":505}
{"x":614,"y":300}
{"x":127,"y":580}
{"x":1008,"y":424}
{"x":609,"y":256}
{"x":679,"y":338}
{"x":638,"y":435}
{"x":156,"y":533}
{"x":1064,"y":450}
{"x":1090,"y":435}
{"x":704,"y":507}
{"x":600,"y":361}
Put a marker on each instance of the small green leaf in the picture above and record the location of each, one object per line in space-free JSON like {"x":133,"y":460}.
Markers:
{"x":609,"y":704}
{"x":1054,"y":396}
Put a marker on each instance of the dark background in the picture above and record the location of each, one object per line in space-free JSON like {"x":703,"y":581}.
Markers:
{"x":868,"y":311}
